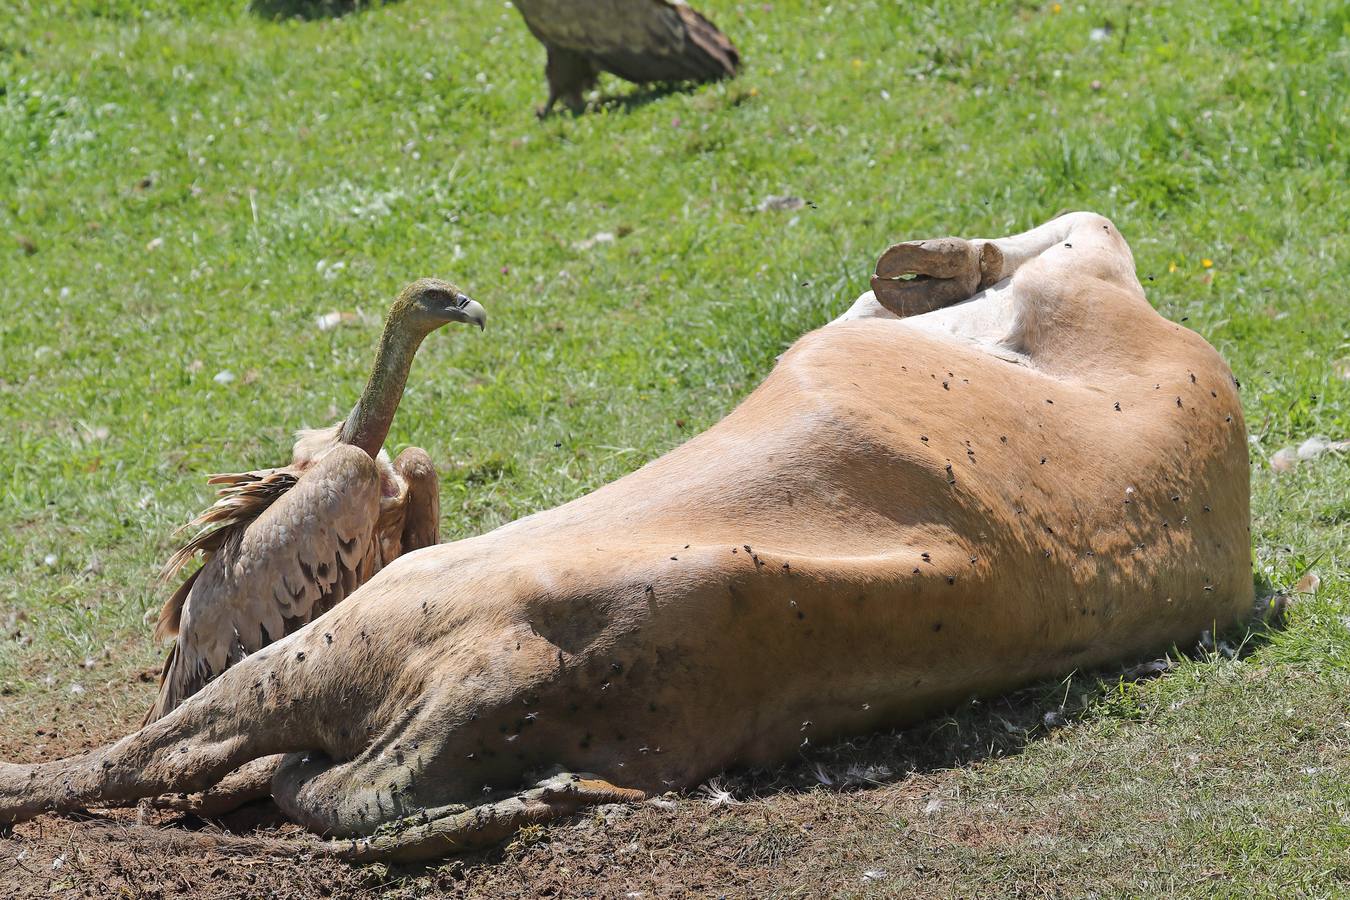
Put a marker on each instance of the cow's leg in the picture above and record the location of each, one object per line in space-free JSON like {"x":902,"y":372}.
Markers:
{"x":251,"y":781}
{"x":1080,"y":244}
{"x":190,"y":749}
{"x":1009,"y":281}
{"x":917,"y":277}
{"x":401,"y":827}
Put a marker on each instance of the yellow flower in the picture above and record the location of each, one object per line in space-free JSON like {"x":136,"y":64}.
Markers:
{"x":1171,"y":267}
{"x":857,"y":63}
{"x":1207,"y":263}
{"x":1055,"y":8}
{"x":754,"y":92}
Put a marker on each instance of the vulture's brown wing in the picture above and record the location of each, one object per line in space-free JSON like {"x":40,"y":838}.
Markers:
{"x":245,"y":496}
{"x":308,"y":550}
{"x":639,"y":40}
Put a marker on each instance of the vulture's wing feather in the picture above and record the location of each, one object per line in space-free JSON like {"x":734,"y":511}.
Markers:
{"x":308,"y":550}
{"x":245,"y":496}
{"x":639,"y":40}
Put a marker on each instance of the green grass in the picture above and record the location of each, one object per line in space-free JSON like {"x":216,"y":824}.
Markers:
{"x":178,"y":182}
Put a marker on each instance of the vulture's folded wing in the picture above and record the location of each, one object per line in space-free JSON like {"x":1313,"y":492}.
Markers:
{"x":244,"y":497}
{"x":308,"y":550}
{"x":640,"y":40}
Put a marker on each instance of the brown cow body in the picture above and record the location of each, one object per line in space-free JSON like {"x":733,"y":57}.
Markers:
{"x":905,"y":513}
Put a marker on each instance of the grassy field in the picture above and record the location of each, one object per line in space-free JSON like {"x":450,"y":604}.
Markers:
{"x":185,"y":187}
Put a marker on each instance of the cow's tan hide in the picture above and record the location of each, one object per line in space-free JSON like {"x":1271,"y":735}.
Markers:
{"x":906,"y":512}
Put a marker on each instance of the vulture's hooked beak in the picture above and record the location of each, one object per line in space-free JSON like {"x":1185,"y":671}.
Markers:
{"x":472,"y":311}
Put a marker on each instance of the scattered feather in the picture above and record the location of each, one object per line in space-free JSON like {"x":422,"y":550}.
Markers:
{"x":600,"y":237}
{"x":1054,"y":719}
{"x":1308,"y":584}
{"x":329,"y":271}
{"x":780,"y":203}
{"x":1287,"y":458}
{"x":717,"y":794}
{"x":330,"y":320}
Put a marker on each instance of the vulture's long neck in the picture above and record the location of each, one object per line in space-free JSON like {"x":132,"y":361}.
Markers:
{"x":368,"y":423}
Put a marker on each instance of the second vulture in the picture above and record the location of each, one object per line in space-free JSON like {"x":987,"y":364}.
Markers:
{"x":282,"y":546}
{"x":638,"y":40}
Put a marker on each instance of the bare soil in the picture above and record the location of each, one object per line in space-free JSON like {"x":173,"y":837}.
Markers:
{"x":805,"y":829}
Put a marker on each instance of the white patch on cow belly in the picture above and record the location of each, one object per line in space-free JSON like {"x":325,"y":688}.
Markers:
{"x":865,"y":307}
{"x":985,"y":321}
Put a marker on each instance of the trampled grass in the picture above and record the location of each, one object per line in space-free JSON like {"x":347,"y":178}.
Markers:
{"x":186,"y":187}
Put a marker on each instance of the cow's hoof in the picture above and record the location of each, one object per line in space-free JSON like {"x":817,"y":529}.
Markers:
{"x":916,"y":277}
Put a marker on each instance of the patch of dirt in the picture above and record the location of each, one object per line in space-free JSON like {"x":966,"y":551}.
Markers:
{"x":881,"y":812}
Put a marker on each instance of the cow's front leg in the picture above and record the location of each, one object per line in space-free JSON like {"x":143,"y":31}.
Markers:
{"x":251,"y":781}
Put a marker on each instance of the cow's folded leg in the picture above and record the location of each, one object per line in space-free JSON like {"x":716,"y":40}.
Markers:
{"x":915,"y":277}
{"x":249,"y":782}
{"x":1086,"y":242}
{"x":433,"y":834}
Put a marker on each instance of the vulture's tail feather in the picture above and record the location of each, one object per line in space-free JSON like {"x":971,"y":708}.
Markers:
{"x":702,"y":54}
{"x":711,"y":52}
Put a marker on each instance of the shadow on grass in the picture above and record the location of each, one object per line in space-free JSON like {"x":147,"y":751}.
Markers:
{"x":990,"y":728}
{"x":640,"y":96}
{"x":309,"y":9}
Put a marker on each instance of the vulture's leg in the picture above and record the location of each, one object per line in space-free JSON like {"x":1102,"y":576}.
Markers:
{"x":422,"y":517}
{"x":569,"y":75}
{"x":251,"y":781}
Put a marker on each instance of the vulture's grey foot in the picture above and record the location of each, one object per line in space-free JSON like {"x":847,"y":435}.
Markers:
{"x":916,"y":277}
